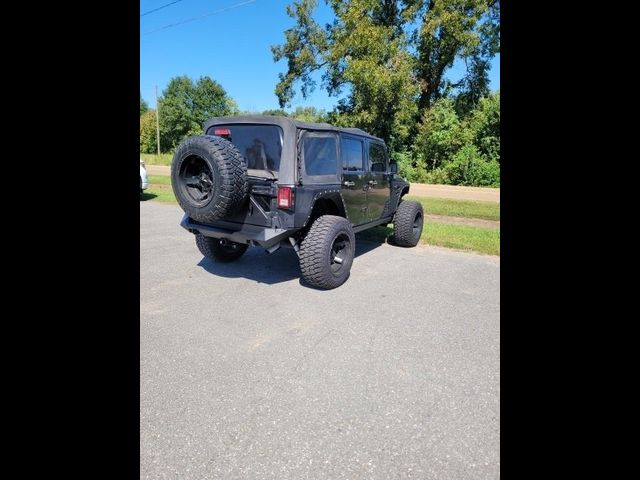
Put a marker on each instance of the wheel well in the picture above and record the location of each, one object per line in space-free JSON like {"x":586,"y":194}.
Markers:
{"x":405,"y":190}
{"x":325,"y":206}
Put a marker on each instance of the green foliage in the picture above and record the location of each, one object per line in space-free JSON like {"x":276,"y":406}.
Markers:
{"x":185,"y":106}
{"x":309,"y":114}
{"x":437,"y":176}
{"x":406,"y":168}
{"x":439,"y":135}
{"x":278,"y":111}
{"x":143,"y":105}
{"x":148,"y":132}
{"x":467,"y":167}
{"x":474,"y":86}
{"x":410,"y":169}
{"x":391,"y":57}
{"x":451,"y":150}
{"x":484,"y":126}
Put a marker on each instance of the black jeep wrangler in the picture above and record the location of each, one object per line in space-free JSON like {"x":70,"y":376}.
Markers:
{"x":273,"y":181}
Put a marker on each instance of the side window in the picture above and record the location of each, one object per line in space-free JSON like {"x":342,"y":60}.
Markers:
{"x":352,"y":158}
{"x":377,"y":158}
{"x":320,"y":154}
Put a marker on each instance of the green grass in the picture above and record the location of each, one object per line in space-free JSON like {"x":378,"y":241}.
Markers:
{"x":159,"y":190}
{"x":459,"y":208}
{"x":154,"y":159}
{"x":159,"y":179}
{"x":461,"y":237}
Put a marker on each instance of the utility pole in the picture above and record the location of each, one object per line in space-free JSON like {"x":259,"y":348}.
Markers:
{"x":157,"y":121}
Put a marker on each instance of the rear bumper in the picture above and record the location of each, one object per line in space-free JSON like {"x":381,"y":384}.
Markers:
{"x":239,"y":233}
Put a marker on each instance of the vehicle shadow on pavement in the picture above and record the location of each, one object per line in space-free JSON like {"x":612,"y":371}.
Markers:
{"x":282,"y":265}
{"x":147,"y":196}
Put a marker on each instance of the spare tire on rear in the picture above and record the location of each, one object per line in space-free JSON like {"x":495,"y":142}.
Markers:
{"x":209,"y":177}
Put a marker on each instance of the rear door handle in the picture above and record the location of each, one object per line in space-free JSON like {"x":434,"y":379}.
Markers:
{"x":349,"y":184}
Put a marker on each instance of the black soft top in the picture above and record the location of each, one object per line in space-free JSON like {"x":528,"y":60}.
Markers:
{"x":289,"y":125}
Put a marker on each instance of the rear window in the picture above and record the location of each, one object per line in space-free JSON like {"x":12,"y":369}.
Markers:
{"x":260,"y":144}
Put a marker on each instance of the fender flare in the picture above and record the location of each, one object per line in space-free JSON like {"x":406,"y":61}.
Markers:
{"x":334,"y":196}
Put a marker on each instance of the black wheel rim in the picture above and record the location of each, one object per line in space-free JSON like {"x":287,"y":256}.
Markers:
{"x":417,"y":225}
{"x":340,"y":251}
{"x":196,"y":180}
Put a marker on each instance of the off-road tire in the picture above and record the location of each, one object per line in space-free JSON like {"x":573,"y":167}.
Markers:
{"x":220,"y":250}
{"x":208,"y":177}
{"x":408,"y":222}
{"x":330,"y":240}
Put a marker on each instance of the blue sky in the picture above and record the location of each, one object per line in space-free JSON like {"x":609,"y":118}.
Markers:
{"x":232,"y":47}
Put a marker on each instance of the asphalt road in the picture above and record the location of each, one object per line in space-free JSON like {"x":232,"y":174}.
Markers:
{"x":245,"y":373}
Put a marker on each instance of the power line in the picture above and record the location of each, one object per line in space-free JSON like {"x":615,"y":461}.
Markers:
{"x":159,"y":8}
{"x":201,"y":16}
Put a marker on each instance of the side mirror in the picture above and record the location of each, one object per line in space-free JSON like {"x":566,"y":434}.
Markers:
{"x":393,"y":168}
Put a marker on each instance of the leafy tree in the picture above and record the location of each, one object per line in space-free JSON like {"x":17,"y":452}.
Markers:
{"x":390,"y":56}
{"x":450,"y":29}
{"x":473,"y":87}
{"x":467,"y":167}
{"x":484,"y":127}
{"x":143,"y":105}
{"x":148,"y":142}
{"x":309,"y":114}
{"x":448,"y":149}
{"x":278,"y":111}
{"x":185,"y":106}
{"x":440,"y":135}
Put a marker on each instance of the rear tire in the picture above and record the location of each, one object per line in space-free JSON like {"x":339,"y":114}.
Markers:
{"x":327,"y":251}
{"x":408,"y":223}
{"x":220,"y":250}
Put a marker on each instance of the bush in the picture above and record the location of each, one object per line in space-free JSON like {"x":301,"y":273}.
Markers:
{"x":484,"y":127}
{"x":405,"y":164}
{"x":148,"y":132}
{"x":440,"y":135}
{"x":469,"y":168}
{"x":437,"y":176}
{"x":410,"y":169}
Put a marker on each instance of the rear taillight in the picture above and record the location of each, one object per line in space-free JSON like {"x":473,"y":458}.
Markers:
{"x":285,"y":197}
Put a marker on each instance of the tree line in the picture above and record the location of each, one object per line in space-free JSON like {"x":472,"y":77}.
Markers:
{"x":387,"y":61}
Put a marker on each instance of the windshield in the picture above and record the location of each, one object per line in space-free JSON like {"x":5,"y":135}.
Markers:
{"x":261,"y":145}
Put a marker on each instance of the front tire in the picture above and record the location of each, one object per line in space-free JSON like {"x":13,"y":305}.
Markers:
{"x":327,"y":251}
{"x":220,"y":250}
{"x":408,"y":223}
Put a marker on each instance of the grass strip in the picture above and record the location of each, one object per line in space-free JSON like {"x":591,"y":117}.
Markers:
{"x":459,"y":208}
{"x":155,"y":159}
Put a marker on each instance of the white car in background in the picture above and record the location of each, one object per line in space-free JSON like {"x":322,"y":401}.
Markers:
{"x":144,"y":182}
